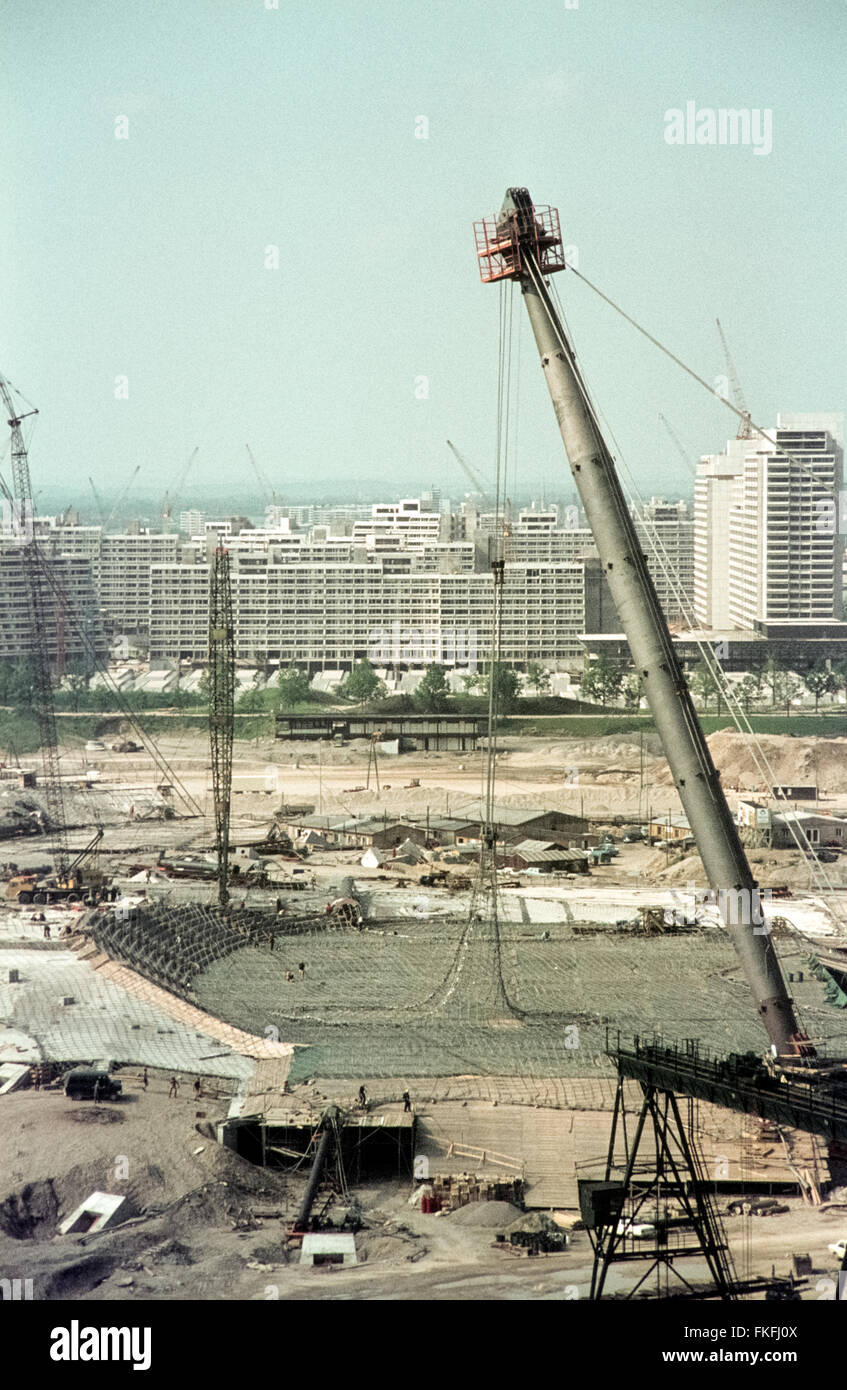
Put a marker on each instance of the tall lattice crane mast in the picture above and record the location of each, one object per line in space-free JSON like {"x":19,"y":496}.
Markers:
{"x":221,"y":707}
{"x":39,"y":661}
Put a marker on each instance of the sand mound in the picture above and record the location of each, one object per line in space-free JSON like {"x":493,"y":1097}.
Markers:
{"x":793,"y":761}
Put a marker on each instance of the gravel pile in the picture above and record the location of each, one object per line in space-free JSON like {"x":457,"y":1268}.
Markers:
{"x":497,"y":1215}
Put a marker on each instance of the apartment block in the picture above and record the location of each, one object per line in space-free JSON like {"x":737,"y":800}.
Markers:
{"x":666,"y":533}
{"x":72,"y":630}
{"x":124,"y":577}
{"x":764,"y":557}
{"x":336,"y":614}
{"x":398,"y":525}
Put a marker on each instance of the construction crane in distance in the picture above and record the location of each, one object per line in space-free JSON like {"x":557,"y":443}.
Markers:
{"x":99,"y":500}
{"x":43,"y":703}
{"x":745,"y":427}
{"x":172,"y":495}
{"x":680,"y":447}
{"x":270,"y":497}
{"x":221,"y":707}
{"x":466,"y":468}
{"x":122,"y":495}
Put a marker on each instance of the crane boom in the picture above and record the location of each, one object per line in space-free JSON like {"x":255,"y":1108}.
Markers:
{"x":466,"y":468}
{"x":680,"y":447}
{"x":524,"y":243}
{"x":121,"y":497}
{"x":173,"y":494}
{"x":270,"y":492}
{"x":745,"y":428}
{"x":42,"y":687}
{"x":98,"y":499}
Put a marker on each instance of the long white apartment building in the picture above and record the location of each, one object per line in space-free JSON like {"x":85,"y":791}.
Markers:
{"x":768,"y":548}
{"x":316,"y":597}
{"x":318,"y":546}
{"x":334,"y":614}
{"x":666,"y":532}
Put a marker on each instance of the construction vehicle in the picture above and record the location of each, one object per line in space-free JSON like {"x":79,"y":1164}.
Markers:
{"x":81,"y":882}
{"x":91,"y":1083}
{"x":276,"y":842}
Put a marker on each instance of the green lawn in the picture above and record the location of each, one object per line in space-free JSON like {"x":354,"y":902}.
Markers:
{"x":595,"y":726}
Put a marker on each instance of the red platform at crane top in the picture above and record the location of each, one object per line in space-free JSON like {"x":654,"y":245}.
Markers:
{"x":502,"y":244}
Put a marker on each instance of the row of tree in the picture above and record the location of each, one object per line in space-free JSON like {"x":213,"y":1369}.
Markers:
{"x":602,"y":683}
{"x":772,"y":683}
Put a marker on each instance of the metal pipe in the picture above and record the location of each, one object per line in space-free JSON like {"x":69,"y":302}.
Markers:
{"x":301,"y":1224}
{"x":664,"y":684}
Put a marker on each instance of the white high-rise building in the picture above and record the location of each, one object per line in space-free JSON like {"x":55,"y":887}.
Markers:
{"x":191,"y":523}
{"x":714,"y":486}
{"x":766,"y":551}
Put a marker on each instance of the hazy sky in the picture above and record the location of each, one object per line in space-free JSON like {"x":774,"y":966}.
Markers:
{"x":294,"y":127}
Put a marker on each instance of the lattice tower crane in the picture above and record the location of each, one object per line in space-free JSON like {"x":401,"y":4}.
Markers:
{"x":43,"y":704}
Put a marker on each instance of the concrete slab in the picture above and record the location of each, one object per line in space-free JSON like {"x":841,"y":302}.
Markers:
{"x":11,"y":1076}
{"x":106,"y":1020}
{"x":328,"y":1249}
{"x":92,"y":1215}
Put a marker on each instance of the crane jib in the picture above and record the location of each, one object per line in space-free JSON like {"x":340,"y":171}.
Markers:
{"x":523,"y":243}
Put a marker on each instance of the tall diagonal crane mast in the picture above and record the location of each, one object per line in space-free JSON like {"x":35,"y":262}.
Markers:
{"x":745,"y":427}
{"x":466,"y":469}
{"x":221,"y":707}
{"x":42,"y":687}
{"x":523,"y":243}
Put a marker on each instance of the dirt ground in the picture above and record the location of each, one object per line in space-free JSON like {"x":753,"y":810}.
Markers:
{"x":618,"y":775}
{"x":201,"y":1223}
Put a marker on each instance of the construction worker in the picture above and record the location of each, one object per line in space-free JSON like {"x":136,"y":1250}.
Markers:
{"x":174,"y":1090}
{"x":302,"y":968}
{"x":145,"y":1080}
{"x":407,"y":1102}
{"x":363,"y":1098}
{"x":198,"y":1088}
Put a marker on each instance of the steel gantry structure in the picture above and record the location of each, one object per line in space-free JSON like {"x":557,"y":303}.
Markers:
{"x":221,"y":707}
